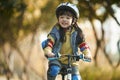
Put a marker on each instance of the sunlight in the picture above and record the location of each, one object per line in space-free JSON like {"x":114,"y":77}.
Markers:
{"x":100,"y":11}
{"x":112,"y":35}
{"x":43,"y":36}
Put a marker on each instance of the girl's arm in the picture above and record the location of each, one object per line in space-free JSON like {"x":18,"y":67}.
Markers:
{"x":84,"y":48}
{"x":49,"y":46}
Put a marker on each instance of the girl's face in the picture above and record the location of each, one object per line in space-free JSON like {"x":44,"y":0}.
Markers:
{"x":65,"y":21}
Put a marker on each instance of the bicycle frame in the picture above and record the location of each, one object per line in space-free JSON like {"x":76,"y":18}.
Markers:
{"x":69,"y":68}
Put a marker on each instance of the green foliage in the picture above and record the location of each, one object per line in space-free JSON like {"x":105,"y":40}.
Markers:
{"x":27,"y":16}
{"x":9,"y":24}
{"x":48,"y":14}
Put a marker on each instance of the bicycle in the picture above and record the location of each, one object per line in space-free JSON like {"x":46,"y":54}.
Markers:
{"x":68,"y":70}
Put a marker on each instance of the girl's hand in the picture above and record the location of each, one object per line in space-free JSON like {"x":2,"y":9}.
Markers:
{"x":50,"y":55}
{"x":87,"y":58}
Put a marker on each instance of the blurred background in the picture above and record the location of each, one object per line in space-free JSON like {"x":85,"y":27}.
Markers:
{"x":24,"y":24}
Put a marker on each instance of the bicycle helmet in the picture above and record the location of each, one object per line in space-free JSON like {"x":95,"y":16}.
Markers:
{"x":68,"y":6}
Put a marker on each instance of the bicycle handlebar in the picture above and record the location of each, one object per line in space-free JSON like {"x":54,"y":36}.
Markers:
{"x":81,"y":56}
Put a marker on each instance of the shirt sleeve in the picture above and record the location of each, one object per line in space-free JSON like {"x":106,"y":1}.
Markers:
{"x":48,"y":48}
{"x":84,"y":48}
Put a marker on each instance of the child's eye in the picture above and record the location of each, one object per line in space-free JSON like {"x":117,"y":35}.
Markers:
{"x":61,"y":17}
{"x":68,"y":17}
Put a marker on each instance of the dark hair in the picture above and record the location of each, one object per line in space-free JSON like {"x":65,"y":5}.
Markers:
{"x":80,"y":36}
{"x":62,"y":34}
{"x":65,"y":12}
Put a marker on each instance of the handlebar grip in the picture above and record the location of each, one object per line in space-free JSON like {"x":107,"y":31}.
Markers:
{"x":87,"y":60}
{"x":81,"y":56}
{"x":54,"y":58}
{"x":84,"y":59}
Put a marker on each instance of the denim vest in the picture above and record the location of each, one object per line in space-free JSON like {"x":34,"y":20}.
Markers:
{"x":57,"y":46}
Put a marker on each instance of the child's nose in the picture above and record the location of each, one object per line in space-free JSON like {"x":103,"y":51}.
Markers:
{"x":64,"y":19}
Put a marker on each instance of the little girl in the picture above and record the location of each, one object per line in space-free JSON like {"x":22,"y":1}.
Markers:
{"x":65,"y":38}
